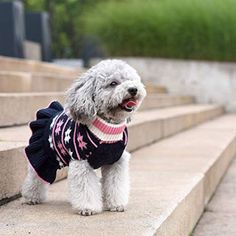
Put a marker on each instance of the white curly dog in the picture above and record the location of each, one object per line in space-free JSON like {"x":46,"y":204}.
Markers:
{"x":102,"y":99}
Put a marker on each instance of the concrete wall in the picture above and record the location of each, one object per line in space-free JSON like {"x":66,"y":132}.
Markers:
{"x":209,"y":82}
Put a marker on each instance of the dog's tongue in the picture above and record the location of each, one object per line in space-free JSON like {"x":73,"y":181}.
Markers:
{"x":129,"y":103}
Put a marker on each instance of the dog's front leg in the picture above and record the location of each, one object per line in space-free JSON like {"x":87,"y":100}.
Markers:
{"x":34,"y":190}
{"x":115,"y":184}
{"x":85,"y":189}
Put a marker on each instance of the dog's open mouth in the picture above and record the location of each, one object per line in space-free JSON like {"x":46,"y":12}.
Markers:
{"x":128,"y":104}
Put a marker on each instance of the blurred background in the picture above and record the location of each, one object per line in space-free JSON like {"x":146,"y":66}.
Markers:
{"x":197,"y":29}
{"x":180,"y":41}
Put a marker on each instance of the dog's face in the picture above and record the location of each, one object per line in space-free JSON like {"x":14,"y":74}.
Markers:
{"x":112,"y":89}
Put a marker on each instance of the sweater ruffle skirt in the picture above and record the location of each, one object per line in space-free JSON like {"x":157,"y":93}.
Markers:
{"x":38,"y":151}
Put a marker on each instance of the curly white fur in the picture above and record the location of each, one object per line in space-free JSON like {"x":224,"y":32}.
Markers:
{"x":94,"y":94}
{"x":33,"y":190}
{"x":115,"y":184}
{"x":85,"y":189}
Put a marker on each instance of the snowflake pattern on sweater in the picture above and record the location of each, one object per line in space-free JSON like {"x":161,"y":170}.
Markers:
{"x":72,"y":140}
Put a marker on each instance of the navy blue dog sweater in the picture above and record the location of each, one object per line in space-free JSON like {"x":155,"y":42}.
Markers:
{"x":57,"y":139}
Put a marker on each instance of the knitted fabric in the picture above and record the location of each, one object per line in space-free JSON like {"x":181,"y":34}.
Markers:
{"x":57,"y":139}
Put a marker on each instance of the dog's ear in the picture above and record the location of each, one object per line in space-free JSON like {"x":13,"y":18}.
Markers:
{"x":80,"y":99}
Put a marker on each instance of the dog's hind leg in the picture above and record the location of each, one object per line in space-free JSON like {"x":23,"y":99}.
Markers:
{"x":115,"y":184}
{"x":85,"y":188}
{"x":34,"y":189}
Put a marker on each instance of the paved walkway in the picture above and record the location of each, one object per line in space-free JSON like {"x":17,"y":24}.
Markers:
{"x":219,"y":218}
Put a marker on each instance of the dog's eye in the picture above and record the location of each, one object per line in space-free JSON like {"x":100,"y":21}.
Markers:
{"x":113,"y":83}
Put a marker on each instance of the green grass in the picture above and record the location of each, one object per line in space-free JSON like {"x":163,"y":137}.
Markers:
{"x":189,"y":29}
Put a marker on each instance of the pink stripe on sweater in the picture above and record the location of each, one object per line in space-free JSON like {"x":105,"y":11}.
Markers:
{"x":108,"y":129}
{"x":126,"y":138}
{"x":62,"y":136}
{"x":74,"y":140}
{"x":91,"y":140}
{"x":53,"y":140}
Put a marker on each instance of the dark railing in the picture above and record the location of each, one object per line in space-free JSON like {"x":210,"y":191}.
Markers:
{"x":16,"y":27}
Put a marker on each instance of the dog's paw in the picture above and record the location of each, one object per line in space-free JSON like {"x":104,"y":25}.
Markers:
{"x":30,"y":201}
{"x":86,"y":212}
{"x":120,"y":208}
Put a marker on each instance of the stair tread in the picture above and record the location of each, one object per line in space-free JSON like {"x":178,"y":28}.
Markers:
{"x":24,"y":65}
{"x":153,"y":95}
{"x":21,"y":133}
{"x":36,"y":100}
{"x":168,"y":179}
{"x":171,"y":111}
{"x":220,"y":214}
{"x":29,"y":94}
{"x":160,"y":97}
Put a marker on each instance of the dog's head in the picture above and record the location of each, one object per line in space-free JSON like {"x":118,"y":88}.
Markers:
{"x":111,"y":89}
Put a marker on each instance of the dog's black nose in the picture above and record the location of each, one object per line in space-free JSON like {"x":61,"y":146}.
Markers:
{"x":133,"y":91}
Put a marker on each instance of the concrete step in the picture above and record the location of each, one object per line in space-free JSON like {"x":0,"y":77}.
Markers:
{"x":155,"y":100}
{"x":22,"y":65}
{"x":151,"y":88}
{"x":51,"y":82}
{"x":219,"y":216}
{"x":148,"y":126}
{"x":25,"y":106}
{"x":31,"y":102}
{"x":170,"y":183}
{"x":15,"y":81}
{"x":22,"y":82}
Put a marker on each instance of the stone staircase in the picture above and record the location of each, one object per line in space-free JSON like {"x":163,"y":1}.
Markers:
{"x":180,"y":151}
{"x":219,"y":216}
